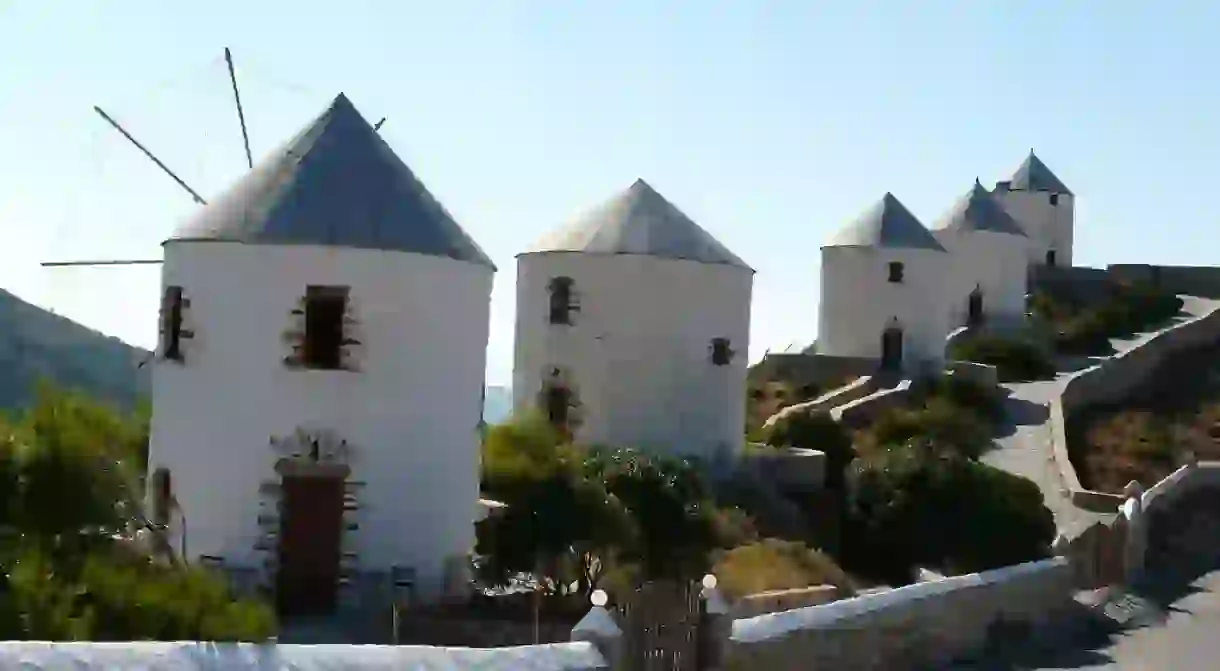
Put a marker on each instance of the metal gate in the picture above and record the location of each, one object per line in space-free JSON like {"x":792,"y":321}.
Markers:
{"x":661,"y":621}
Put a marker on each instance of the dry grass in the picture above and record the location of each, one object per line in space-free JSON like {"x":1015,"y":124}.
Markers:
{"x":773,"y":564}
{"x":1146,"y":438}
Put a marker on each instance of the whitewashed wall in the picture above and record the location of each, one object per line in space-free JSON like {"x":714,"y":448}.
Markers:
{"x":996,"y":263}
{"x":411,"y":414}
{"x":638,"y":352}
{"x":858,"y":302}
{"x":1048,"y":226}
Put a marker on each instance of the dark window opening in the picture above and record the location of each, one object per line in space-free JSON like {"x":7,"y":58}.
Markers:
{"x":325,"y":308}
{"x":162,"y":496}
{"x":171,"y":328}
{"x":557,"y":400}
{"x":561,"y":303}
{"x":896,"y":271}
{"x":1054,"y":199}
{"x":722,"y":354}
{"x":974,"y":308}
{"x":1050,"y":257}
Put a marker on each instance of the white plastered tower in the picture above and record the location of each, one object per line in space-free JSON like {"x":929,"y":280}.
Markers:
{"x":325,"y":319}
{"x":1045,"y":209}
{"x":633,"y":328}
{"x":990,"y":262}
{"x":885,"y":282}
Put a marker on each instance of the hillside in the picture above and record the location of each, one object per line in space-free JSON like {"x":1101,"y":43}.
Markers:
{"x":36,"y":344}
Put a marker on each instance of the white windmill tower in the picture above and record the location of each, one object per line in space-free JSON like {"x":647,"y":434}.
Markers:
{"x":318,"y":380}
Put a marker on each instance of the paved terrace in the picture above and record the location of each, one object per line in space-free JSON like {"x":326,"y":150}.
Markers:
{"x":1025,"y":447}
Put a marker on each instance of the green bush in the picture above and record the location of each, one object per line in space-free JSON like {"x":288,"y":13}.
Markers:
{"x":966,"y":393}
{"x":1127,"y":309}
{"x":1014,"y":360}
{"x":913,"y":508}
{"x":816,"y":431}
{"x":949,"y":427}
{"x":773,"y":564}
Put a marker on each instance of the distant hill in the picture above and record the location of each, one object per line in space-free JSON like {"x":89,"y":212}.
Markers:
{"x":497,"y":404}
{"x":35,"y":344}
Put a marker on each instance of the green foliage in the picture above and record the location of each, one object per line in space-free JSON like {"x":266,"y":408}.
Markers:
{"x":773,"y":564}
{"x":919,"y":507}
{"x":670,"y":504}
{"x":1014,"y":360}
{"x":964,"y":393}
{"x":1127,"y":309}
{"x":952,"y":429}
{"x":816,"y":431}
{"x":68,"y":486}
{"x":575,"y":515}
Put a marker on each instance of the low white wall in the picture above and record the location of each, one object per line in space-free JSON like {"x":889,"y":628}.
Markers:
{"x":194,"y":656}
{"x":925,"y":623}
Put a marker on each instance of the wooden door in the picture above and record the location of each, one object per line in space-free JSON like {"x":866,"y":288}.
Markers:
{"x":311,"y":525}
{"x":891,"y":349}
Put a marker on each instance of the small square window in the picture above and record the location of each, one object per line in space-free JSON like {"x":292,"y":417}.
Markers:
{"x":896,"y":272}
{"x":722,"y":352}
{"x":561,"y":304}
{"x":1054,"y":199}
{"x":171,"y":326}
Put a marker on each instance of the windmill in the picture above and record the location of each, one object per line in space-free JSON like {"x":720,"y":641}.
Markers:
{"x":241,"y":117}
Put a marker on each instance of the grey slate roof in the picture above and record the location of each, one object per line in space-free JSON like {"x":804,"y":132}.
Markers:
{"x":1033,"y":175}
{"x":337,"y":183}
{"x":638,"y":221}
{"x":978,"y":211}
{"x":888,"y":225}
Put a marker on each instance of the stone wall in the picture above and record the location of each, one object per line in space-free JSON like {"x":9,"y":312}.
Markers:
{"x":925,"y":624}
{"x":1112,"y":380}
{"x":1190,"y":280}
{"x":819,"y":369}
{"x":791,"y":469}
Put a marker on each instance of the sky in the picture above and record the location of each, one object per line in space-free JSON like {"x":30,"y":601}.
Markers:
{"x":771,"y":123}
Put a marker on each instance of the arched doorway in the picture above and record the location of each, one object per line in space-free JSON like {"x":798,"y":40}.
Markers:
{"x":891,"y":348}
{"x":974,"y":308}
{"x":1050,"y":257}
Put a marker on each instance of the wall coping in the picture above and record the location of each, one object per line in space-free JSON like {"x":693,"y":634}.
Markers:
{"x":1081,"y":497}
{"x":571,"y":656}
{"x":772,"y":625}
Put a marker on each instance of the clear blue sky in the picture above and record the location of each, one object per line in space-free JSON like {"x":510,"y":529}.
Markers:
{"x":770,"y":123}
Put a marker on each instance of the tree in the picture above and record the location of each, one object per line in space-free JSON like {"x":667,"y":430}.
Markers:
{"x":68,"y":490}
{"x":670,"y":504}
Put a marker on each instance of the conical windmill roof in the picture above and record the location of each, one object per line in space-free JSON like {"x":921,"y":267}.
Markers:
{"x":977,"y":210}
{"x":638,"y":221}
{"x":337,"y":183}
{"x":1033,"y":175}
{"x":886,"y":225}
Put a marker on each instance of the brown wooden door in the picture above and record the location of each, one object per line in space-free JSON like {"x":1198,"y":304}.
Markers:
{"x":311,"y":525}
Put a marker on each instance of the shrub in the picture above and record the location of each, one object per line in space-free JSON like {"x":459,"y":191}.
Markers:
{"x":1131,"y":445}
{"x":1014,"y":360}
{"x":948,"y":427}
{"x":966,"y":393}
{"x":922,"y":508}
{"x":816,"y":431}
{"x":773,"y":564}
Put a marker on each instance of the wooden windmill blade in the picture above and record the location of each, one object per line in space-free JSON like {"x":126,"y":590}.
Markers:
{"x":245,"y":135}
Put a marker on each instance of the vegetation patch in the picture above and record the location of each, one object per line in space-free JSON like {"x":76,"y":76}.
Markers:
{"x":71,"y":475}
{"x":1146,"y":437}
{"x":1015,"y":360}
{"x":774,"y":564}
{"x":1086,"y":330}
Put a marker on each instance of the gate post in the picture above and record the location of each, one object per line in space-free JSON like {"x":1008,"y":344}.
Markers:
{"x":714,"y":627}
{"x":599,"y":628}
{"x":1136,"y":532}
